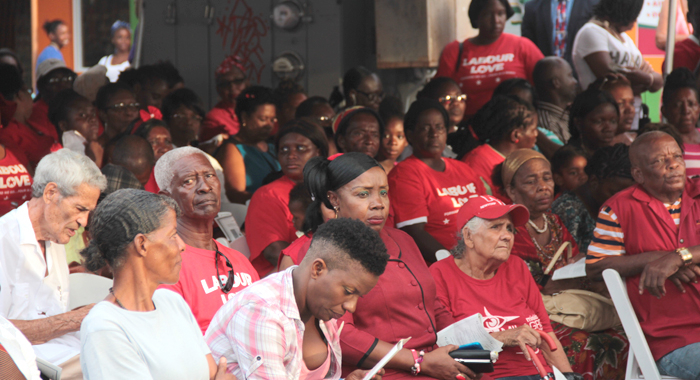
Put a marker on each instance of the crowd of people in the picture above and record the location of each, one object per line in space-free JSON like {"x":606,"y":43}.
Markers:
{"x":368,"y":220}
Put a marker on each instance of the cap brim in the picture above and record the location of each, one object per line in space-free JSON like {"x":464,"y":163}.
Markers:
{"x":518,"y":213}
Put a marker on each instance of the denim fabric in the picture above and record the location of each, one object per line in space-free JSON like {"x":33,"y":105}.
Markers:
{"x":682,"y":363}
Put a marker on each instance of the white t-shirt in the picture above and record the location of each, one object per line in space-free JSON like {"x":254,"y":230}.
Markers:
{"x":19,"y":349}
{"x":165,"y":343}
{"x":113,"y":71}
{"x":592,"y":38}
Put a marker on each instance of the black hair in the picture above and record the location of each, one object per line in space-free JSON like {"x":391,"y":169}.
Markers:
{"x":118,"y":219}
{"x":284,"y":90}
{"x":51,"y":26}
{"x":354,"y":239}
{"x":130,"y":77}
{"x":433,"y":89}
{"x":345,"y":123}
{"x":62,"y":104}
{"x":678,"y":79}
{"x":11,"y":53}
{"x":11,"y":83}
{"x":311,"y":131}
{"x":663,"y":127}
{"x":610,"y":161}
{"x":322,"y":176}
{"x":353,"y":78}
{"x":300,"y":193}
{"x":391,"y":107}
{"x":418,"y":107}
{"x":170,"y":72}
{"x":251,"y":98}
{"x":621,"y":12}
{"x":477,"y":6}
{"x":564,"y":156}
{"x":145,"y":128}
{"x":181,"y":97}
{"x":508,"y":86}
{"x":585,"y":103}
{"x":692,"y":5}
{"x":495,"y":121}
{"x":148,"y":74}
{"x":106,"y":92}
{"x":306,"y":108}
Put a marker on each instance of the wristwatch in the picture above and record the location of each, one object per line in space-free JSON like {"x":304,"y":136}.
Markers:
{"x":686,"y":256}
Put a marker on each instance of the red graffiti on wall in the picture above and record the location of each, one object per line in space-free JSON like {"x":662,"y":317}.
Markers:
{"x":241,"y":33}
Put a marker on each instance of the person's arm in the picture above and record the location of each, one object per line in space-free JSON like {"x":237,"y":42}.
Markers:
{"x":234,"y":173}
{"x":642,"y":79}
{"x":556,"y":358}
{"x":669,"y":266}
{"x":39,"y":331}
{"x":218,"y":372}
{"x":425,"y":241}
{"x":627,"y":266}
{"x":272,"y":251}
{"x":285,"y":263}
{"x":662,"y":26}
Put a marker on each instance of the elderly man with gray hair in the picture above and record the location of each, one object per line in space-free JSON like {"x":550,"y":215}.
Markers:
{"x":34,"y":291}
{"x":211,"y":272}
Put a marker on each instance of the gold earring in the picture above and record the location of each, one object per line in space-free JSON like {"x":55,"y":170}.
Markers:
{"x":336,"y":211}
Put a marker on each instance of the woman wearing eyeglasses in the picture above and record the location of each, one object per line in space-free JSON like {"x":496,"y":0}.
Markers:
{"x":137,"y":331}
{"x":447,"y":92}
{"x":117,"y":108}
{"x":247,"y":158}
{"x":183,"y":112}
{"x":231,"y":80}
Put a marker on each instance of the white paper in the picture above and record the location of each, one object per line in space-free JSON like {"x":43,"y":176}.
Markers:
{"x":557,"y":374}
{"x":468,"y":330}
{"x":390,"y":355}
{"x":575,"y":270}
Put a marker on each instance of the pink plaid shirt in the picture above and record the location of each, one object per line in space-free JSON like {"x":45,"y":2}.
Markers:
{"x":260,"y":333}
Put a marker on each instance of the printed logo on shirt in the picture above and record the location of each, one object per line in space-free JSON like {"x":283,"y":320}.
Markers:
{"x":625,"y":59}
{"x":534,"y":322}
{"x":456,"y":193}
{"x":488,"y":64}
{"x":494,"y":323}
{"x":10,"y":182}
{"x":239,"y":280}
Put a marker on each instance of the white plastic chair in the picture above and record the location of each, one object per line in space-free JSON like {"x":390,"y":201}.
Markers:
{"x":237,"y":210}
{"x":640,"y":362}
{"x":86,"y":288}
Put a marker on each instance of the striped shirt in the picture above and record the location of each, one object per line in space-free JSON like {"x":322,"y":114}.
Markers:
{"x":608,"y":238}
{"x":555,"y":119}
{"x":691,"y":156}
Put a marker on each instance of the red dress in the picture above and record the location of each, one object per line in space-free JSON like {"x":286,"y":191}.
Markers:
{"x":221,"y":119}
{"x":483,"y":159}
{"x":269,"y":220}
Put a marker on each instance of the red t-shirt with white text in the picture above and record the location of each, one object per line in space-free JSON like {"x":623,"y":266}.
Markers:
{"x":419,"y":194}
{"x":508,"y":300}
{"x":483,"y":67}
{"x":15,"y":181}
{"x":198,"y":284}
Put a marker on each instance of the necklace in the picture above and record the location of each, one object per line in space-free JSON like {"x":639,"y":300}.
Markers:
{"x":538,"y":230}
{"x":116,"y":299}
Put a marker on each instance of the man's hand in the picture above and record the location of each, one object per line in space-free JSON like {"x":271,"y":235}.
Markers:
{"x":685,"y":275}
{"x":360,"y":374}
{"x":221,"y":371}
{"x":438,"y":364}
{"x":656,"y":273}
{"x":523,"y":336}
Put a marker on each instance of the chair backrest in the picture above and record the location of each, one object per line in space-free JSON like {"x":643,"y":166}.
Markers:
{"x":86,"y":288}
{"x":237,"y":210}
{"x":241,"y":245}
{"x":639,"y":355}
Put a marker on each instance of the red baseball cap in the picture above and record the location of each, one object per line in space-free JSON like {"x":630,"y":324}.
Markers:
{"x":488,"y":207}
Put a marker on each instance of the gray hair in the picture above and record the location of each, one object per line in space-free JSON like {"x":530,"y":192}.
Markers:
{"x":164,"y":171}
{"x":68,"y":170}
{"x":474,"y":224}
{"x":117,"y":220}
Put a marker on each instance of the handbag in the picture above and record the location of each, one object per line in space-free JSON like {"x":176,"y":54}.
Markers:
{"x":581,"y":309}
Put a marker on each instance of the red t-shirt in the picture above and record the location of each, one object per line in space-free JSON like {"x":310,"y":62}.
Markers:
{"x":686,"y":54}
{"x":15,"y":181}
{"x":483,"y":67}
{"x":419,"y":194}
{"x":34,"y":145}
{"x":483,"y":159}
{"x":198,"y":284}
{"x":39,"y":119}
{"x":221,"y":119}
{"x":152,"y":186}
{"x":508,"y":300}
{"x":269,"y":220}
{"x":297,"y":250}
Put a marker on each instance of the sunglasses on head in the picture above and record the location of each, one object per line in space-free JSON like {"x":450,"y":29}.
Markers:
{"x":229,"y":282}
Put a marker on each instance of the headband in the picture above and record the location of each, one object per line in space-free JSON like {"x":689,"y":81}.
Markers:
{"x":144,"y":116}
{"x":230,"y":62}
{"x":514,"y":161}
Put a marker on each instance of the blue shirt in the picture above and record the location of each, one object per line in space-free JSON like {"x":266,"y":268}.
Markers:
{"x":49,"y":52}
{"x":553,"y":8}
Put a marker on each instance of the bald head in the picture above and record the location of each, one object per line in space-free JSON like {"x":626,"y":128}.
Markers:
{"x":553,"y":78}
{"x":136,"y":155}
{"x":658,"y":165}
{"x":645,"y":143}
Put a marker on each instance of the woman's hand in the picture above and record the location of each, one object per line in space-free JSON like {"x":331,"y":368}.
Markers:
{"x":221,"y":371}
{"x":521,"y":337}
{"x":439,"y":364}
{"x":360,"y":374}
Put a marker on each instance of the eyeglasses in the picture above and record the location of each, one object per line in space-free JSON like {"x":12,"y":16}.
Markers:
{"x":229,"y":281}
{"x":178,"y":116}
{"x":448,"y":100}
{"x":373,"y":97}
{"x":69,"y":78}
{"x":235,"y":82}
{"x":123,"y":107}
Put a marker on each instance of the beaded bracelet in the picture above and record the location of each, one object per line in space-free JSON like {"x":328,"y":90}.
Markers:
{"x":417,"y":359}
